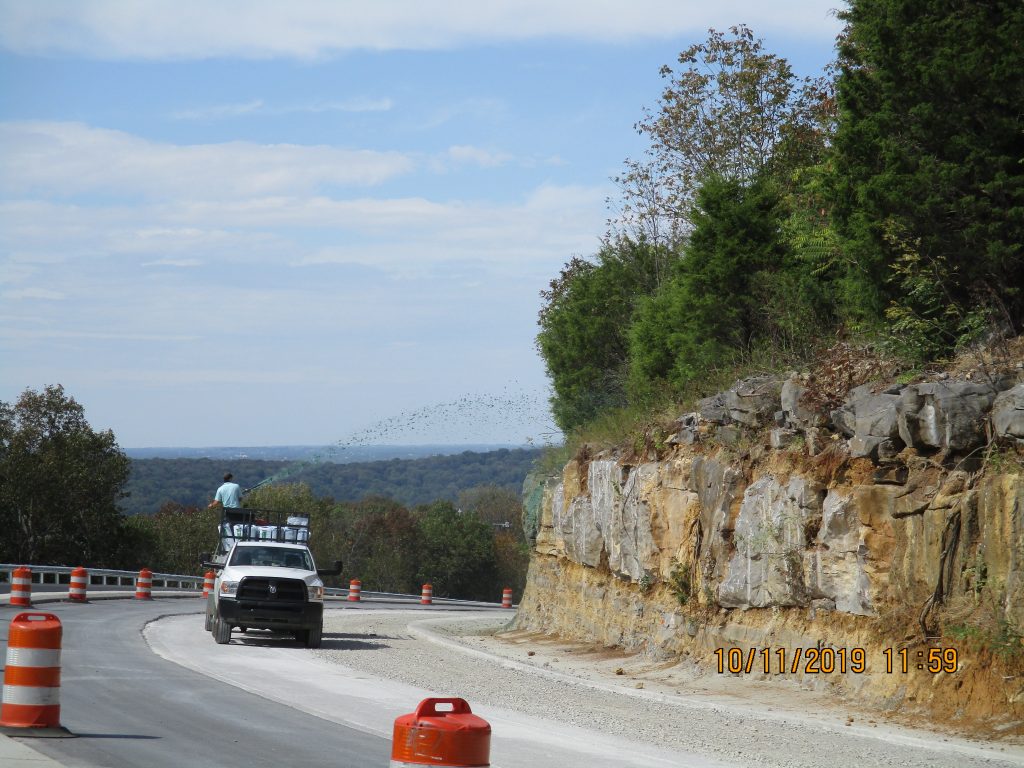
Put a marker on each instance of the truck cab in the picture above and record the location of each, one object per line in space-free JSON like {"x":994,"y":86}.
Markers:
{"x":266,"y":577}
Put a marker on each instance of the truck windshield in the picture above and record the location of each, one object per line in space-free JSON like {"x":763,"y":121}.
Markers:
{"x":279,"y":556}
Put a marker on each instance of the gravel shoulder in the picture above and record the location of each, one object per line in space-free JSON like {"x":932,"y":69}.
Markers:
{"x":732,"y":720}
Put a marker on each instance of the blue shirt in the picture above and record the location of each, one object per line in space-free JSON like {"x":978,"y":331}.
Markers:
{"x":230,"y":495}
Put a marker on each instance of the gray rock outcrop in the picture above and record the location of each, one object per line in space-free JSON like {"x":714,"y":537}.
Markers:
{"x":1008,"y":413}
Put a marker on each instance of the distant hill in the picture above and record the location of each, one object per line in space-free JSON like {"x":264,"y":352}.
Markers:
{"x":331,"y":453}
{"x":192,"y":481}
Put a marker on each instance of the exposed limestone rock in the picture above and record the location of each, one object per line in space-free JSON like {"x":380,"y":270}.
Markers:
{"x":766,"y":568}
{"x":794,"y":412}
{"x":835,"y":567}
{"x":871,"y":421}
{"x":1008,"y":413}
{"x":948,"y":415}
{"x":700,"y":550}
{"x":753,"y":401}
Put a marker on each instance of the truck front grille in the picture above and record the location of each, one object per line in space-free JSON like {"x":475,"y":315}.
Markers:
{"x":261,"y":588}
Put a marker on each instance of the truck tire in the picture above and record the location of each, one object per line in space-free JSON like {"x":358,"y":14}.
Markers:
{"x":209,"y":621}
{"x":313,"y":636}
{"x":221,"y":631}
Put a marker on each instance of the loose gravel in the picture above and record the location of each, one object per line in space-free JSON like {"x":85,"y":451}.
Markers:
{"x":738,"y":723}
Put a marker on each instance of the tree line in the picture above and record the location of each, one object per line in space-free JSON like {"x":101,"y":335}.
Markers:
{"x":155,"y":482}
{"x":61,"y":484}
{"x":771,"y":213}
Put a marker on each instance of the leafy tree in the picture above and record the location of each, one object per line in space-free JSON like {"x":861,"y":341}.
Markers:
{"x":583,"y":326}
{"x":173,"y":539}
{"x":456,"y":552}
{"x":502,"y":507}
{"x":713,"y":311}
{"x":929,"y":146}
{"x":731,"y":110}
{"x":493,"y":504}
{"x":59,"y":482}
{"x":378,"y":540}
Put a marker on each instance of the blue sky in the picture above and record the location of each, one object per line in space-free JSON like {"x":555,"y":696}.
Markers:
{"x":263,"y":223}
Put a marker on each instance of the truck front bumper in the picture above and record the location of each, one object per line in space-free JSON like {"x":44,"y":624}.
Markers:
{"x":270,"y":614}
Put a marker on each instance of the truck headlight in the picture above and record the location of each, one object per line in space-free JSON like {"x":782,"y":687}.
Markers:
{"x":316,"y":594}
{"x":228,"y":588}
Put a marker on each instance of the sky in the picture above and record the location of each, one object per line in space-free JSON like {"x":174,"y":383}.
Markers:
{"x":248,"y":222}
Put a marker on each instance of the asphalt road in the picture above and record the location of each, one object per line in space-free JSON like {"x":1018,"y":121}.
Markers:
{"x":129,"y":708}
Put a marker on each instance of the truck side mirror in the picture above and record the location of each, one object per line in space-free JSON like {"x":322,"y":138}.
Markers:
{"x":214,"y":566}
{"x":204,"y":557}
{"x":335,"y":571}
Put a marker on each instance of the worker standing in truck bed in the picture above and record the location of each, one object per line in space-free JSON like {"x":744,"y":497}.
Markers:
{"x":229,"y":494}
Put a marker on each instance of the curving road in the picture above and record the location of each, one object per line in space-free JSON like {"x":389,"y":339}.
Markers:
{"x":129,"y":707}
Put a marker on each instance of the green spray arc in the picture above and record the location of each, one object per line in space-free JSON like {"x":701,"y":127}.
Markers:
{"x":509,"y":409}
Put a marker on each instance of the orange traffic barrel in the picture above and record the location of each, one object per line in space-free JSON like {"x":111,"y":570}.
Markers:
{"x":506,"y":598}
{"x":144,"y":585}
{"x":208,"y":579}
{"x":354,"y":587}
{"x":32,"y":675}
{"x":21,"y":586}
{"x":79,"y":580}
{"x":427,"y":595}
{"x":441,"y":732}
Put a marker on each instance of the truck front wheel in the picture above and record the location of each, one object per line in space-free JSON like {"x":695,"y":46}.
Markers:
{"x":314,"y":636}
{"x":221,"y":631}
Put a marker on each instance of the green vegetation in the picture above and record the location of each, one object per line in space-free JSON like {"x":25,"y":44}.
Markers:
{"x":463,"y":551}
{"x":192,"y":482}
{"x":774,"y":214}
{"x":59,"y":483}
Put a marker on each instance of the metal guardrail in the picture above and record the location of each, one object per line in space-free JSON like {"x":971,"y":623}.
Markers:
{"x":61,"y":574}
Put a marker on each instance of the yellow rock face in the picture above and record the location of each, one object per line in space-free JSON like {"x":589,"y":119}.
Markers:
{"x":699,"y":551}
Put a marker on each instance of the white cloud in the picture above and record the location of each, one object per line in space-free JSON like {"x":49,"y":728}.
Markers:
{"x":63,"y":158}
{"x":33,"y":293}
{"x":197,"y":29}
{"x":477,"y":156}
{"x":258,"y":107}
{"x":219,"y":111}
{"x":173,"y":263}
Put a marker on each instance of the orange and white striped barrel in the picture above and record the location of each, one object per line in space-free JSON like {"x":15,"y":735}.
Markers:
{"x":208,"y":579}
{"x":79,"y":580}
{"x":21,"y":586}
{"x":144,"y":585}
{"x":32,"y":675}
{"x":354,"y":587}
{"x":427,"y":595}
{"x":506,"y":598}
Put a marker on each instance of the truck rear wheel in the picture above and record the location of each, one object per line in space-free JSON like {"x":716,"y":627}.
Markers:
{"x":221,"y":631}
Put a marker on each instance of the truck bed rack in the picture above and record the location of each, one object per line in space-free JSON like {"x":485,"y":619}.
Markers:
{"x":245,"y":524}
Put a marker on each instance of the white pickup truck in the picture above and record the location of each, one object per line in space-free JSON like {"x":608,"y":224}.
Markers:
{"x":266,"y":578}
